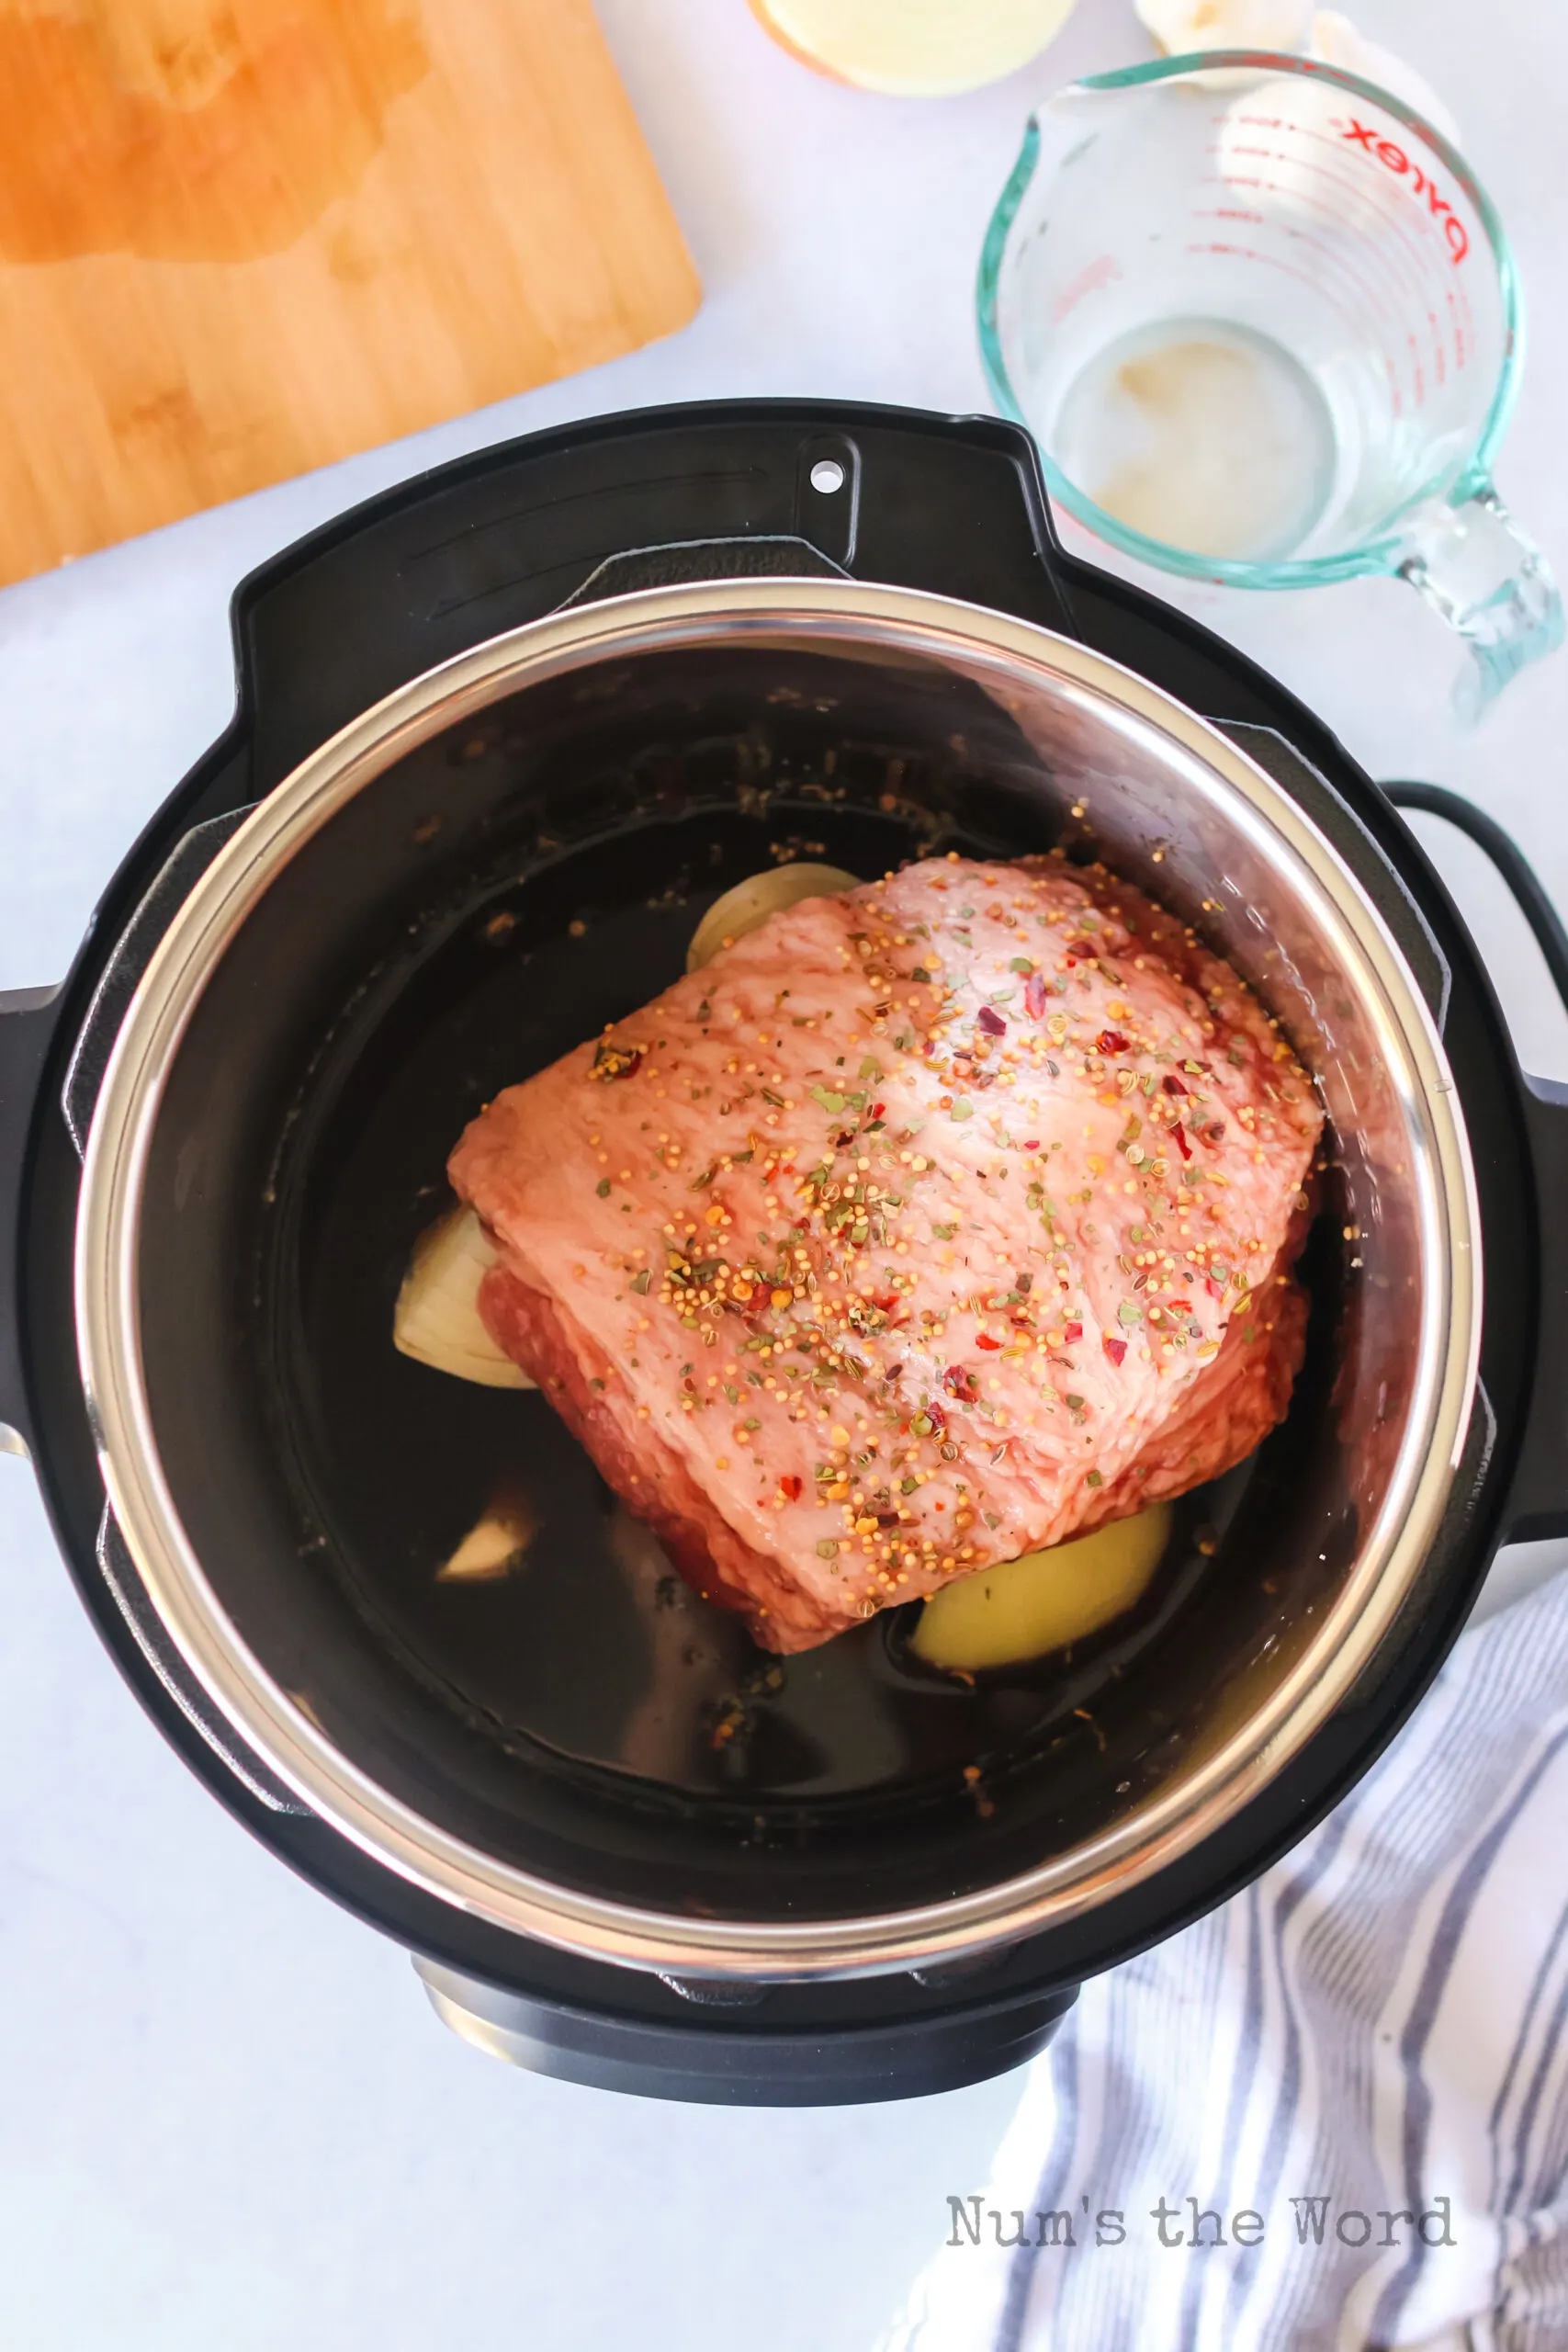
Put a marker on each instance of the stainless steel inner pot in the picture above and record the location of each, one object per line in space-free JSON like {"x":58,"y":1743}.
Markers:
{"x":983,"y":725}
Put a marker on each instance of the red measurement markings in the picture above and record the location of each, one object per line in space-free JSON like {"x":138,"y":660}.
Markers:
{"x":1393,"y":159}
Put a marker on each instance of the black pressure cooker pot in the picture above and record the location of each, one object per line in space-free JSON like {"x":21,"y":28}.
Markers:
{"x":501,"y":735}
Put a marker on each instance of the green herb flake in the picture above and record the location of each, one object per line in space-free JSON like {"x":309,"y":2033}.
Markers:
{"x":640,"y":1282}
{"x":1095,"y":1479}
{"x":870,"y":1068}
{"x":1129,"y":1312}
{"x":731,"y":1392}
{"x":603,"y":1188}
{"x":961,"y":1108}
{"x":829,"y":1548}
{"x":828,"y":1099}
{"x":944,"y":1232}
{"x":1021,"y":964}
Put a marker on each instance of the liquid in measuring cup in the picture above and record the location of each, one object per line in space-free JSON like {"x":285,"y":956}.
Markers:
{"x":1203,"y":435}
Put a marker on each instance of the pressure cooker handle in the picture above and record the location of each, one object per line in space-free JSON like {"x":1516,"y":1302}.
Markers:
{"x":434,"y":566}
{"x":27,"y":1025}
{"x":1538,"y":1501}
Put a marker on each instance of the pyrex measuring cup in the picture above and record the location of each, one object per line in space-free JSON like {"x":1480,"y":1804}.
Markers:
{"x":1265,"y":327}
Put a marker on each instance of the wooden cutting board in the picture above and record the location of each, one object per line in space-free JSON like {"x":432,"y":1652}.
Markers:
{"x":242,"y":238}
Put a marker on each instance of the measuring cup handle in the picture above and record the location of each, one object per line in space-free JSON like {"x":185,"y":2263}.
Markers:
{"x":1475,"y":566}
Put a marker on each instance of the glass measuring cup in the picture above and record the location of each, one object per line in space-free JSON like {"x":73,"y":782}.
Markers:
{"x":1265,"y":327}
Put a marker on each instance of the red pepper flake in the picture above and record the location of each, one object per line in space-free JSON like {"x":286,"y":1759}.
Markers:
{"x":1080,"y":950}
{"x":1112,"y":1041}
{"x":1173,"y":1086}
{"x":877,"y":1109}
{"x":1115,"y":1348}
{"x":1215,"y":1289}
{"x":1032,"y":1146}
{"x":983,"y":1339}
{"x":1071,"y":1332}
{"x":1034,"y":996}
{"x":958,"y":1381}
{"x":790,"y":1489}
{"x":992,"y":1023}
{"x":1182,"y":1146}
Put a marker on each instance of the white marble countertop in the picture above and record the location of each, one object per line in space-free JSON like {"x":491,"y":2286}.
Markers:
{"x":227,"y":2117}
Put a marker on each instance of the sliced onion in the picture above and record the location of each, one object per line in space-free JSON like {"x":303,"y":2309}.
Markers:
{"x":750,"y":904}
{"x":436,"y":1319}
{"x":1044,"y":1600}
{"x":914,"y":49}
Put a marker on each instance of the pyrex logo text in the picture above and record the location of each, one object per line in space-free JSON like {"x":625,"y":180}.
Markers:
{"x":1399,"y":163}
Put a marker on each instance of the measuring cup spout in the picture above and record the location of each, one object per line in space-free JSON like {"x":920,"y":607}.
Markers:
{"x":1475,"y":566}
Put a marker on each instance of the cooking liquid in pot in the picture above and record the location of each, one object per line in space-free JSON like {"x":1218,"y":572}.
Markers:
{"x":586,"y":1645}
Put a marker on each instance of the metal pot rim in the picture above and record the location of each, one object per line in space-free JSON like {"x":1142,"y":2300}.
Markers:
{"x":1163,"y":1828}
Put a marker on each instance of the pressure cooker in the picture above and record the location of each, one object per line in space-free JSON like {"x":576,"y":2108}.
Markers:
{"x":500,"y":736}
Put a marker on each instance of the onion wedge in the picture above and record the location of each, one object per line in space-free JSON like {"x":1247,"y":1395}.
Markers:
{"x":914,"y":49}
{"x":436,"y":1319}
{"x":1044,"y":1600}
{"x":748,"y":905}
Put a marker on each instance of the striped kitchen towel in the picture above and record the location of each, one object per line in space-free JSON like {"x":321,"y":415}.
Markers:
{"x":1335,"y":2113}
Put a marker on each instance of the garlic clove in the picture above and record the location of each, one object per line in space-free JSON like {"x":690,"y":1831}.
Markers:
{"x":1337,"y":42}
{"x":1182,"y":25}
{"x":494,"y":1547}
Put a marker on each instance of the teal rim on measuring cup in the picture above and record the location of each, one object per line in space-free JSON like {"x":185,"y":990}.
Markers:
{"x":1265,"y":327}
